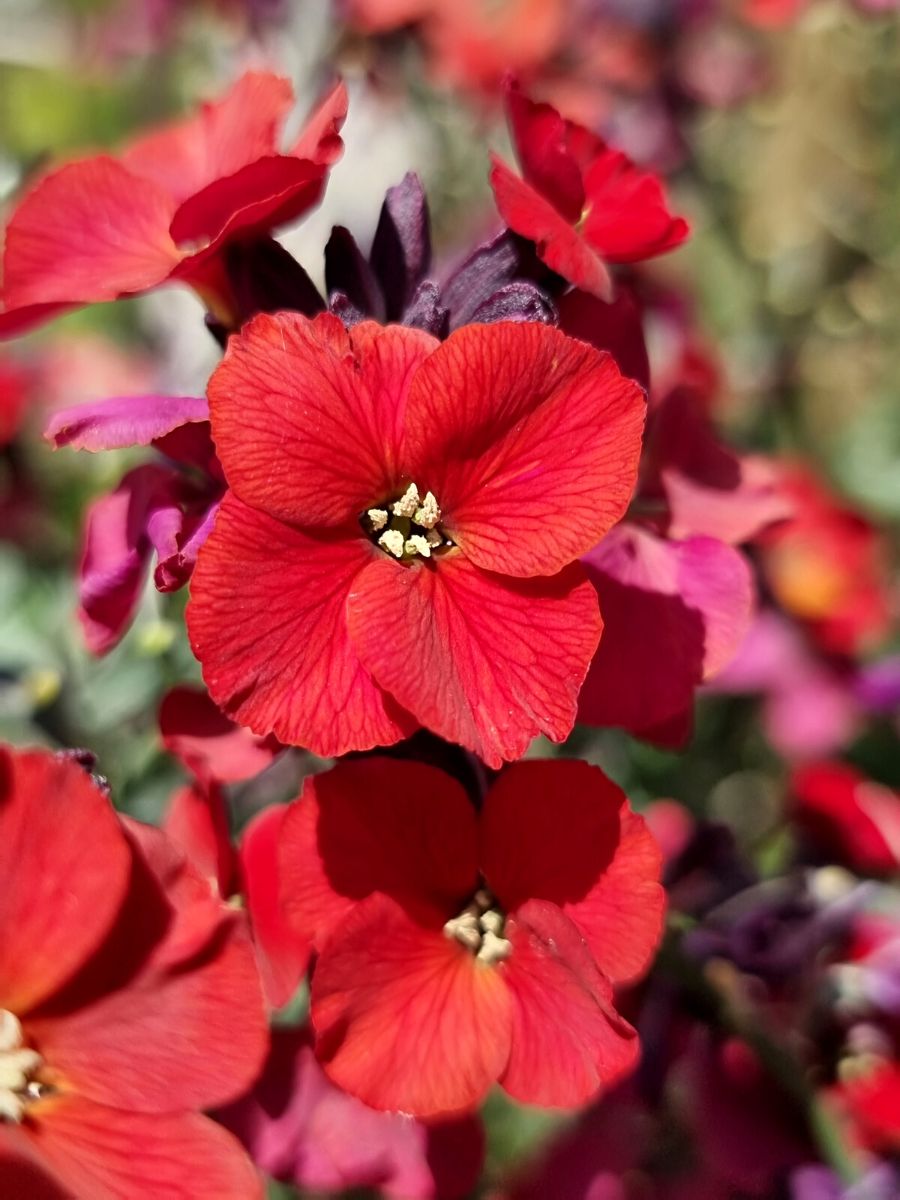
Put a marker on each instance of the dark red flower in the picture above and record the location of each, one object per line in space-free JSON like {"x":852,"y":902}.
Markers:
{"x":583,"y":204}
{"x":396,"y":548}
{"x":106,"y":227}
{"x":849,"y":817}
{"x":129,"y":1001}
{"x":458,"y":948}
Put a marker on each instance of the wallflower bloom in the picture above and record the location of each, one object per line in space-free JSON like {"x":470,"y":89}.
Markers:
{"x":396,"y":548}
{"x":129,"y":1001}
{"x":583,"y":204}
{"x":106,"y":227}
{"x":458,"y":948}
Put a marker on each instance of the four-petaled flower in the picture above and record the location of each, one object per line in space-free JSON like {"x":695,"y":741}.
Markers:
{"x":106,"y":227}
{"x":129,"y":1001}
{"x":397,"y":544}
{"x":456,"y":947}
{"x":583,"y":204}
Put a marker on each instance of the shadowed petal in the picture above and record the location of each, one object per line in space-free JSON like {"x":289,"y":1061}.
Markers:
{"x":378,"y":825}
{"x":559,"y":830}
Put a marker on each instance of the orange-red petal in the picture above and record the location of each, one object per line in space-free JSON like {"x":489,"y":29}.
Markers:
{"x":405,"y":1018}
{"x":64,"y":868}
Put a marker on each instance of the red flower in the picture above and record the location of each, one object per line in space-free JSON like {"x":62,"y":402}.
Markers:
{"x":397,"y":545}
{"x":458,"y":948}
{"x":583,"y":204}
{"x":850,"y":817}
{"x":129,"y":1001}
{"x":106,"y":227}
{"x":826,"y":565}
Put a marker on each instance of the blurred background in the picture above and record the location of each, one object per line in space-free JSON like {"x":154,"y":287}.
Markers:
{"x":777,"y":125}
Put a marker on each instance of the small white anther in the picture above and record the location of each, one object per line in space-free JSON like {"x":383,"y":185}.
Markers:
{"x":392,"y":541}
{"x":429,"y":513}
{"x":492,"y":922}
{"x":459,"y":930}
{"x":418,"y":545}
{"x":378,"y":518}
{"x":408,"y":502}
{"x":493,"y":949}
{"x":11,"y":1037}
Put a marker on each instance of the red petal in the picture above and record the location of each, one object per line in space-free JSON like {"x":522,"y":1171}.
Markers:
{"x":64,"y":862}
{"x":225,"y":135}
{"x":530,"y":440}
{"x":378,"y":825}
{"x":281,"y":954}
{"x":557,"y":243}
{"x":324,"y":405}
{"x":616,"y":327}
{"x":628,"y":220}
{"x":561,"y":831}
{"x":91,"y":231}
{"x":540,"y":137}
{"x":210,"y":746}
{"x":674,"y":613}
{"x":407,"y":1019}
{"x":319,"y":141}
{"x":267,"y":620}
{"x":262,"y":195}
{"x":568,"y":1042}
{"x":197,"y":822}
{"x":102,"y":1152}
{"x":19,"y":320}
{"x":168,"y":1014}
{"x":485,"y":661}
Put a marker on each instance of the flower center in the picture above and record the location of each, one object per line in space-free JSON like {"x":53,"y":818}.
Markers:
{"x":18,"y":1067}
{"x":479,"y":927}
{"x":408,"y":527}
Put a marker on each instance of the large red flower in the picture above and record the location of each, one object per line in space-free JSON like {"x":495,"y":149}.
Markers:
{"x":129,"y":1001}
{"x":397,"y":545}
{"x":458,"y":948}
{"x":107,"y":227}
{"x":583,"y":204}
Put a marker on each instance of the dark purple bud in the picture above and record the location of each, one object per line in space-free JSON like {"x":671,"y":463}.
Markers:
{"x":401,"y":249}
{"x":348,"y":273}
{"x":519,"y":301}
{"x":425,"y":312}
{"x":264,"y":277}
{"x":345,"y":310}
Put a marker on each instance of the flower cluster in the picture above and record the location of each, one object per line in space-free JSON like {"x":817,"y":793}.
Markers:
{"x":426,"y":513}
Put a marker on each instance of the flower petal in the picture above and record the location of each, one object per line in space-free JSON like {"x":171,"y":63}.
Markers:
{"x":674,"y":613}
{"x":319,"y":141}
{"x":556,"y":241}
{"x":267,"y":620}
{"x":530,"y":440}
{"x":116,"y":550}
{"x":196,"y":820}
{"x":210,"y":746}
{"x":323,"y":404}
{"x":404,"y":829}
{"x":485,"y":661}
{"x":112,"y":1155}
{"x":90,"y":231}
{"x":568,"y":1042}
{"x":540,"y":136}
{"x":281,"y":953}
{"x":168,"y":1014}
{"x":561,"y":831}
{"x":401,"y":248}
{"x":405,"y":1018}
{"x":64,"y":862}
{"x":223,"y":136}
{"x":627,"y":216}
{"x":616,"y":327}
{"x":123,"y":421}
